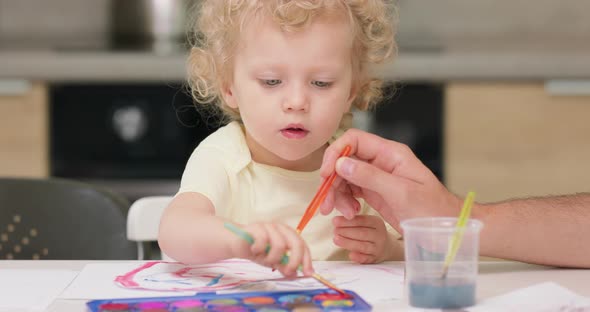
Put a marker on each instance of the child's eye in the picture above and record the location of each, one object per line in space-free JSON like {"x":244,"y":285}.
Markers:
{"x":271,"y":82}
{"x":321,"y":84}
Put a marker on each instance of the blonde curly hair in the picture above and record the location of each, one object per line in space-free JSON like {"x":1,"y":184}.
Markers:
{"x":218,"y":24}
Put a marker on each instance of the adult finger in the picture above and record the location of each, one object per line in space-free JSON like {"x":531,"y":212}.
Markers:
{"x":350,"y":138}
{"x":390,"y":156}
{"x":328,"y":204}
{"x":366,"y":175}
{"x":342,"y":199}
{"x":346,"y":203}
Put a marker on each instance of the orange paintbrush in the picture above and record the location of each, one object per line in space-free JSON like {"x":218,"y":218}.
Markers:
{"x":320,"y":195}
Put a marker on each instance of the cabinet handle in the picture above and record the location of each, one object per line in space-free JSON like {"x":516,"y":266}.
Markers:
{"x":567,"y":87}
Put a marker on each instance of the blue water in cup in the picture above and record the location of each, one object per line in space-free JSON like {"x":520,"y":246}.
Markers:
{"x":426,"y":242}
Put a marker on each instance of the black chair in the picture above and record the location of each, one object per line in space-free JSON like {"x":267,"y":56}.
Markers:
{"x":62,"y":219}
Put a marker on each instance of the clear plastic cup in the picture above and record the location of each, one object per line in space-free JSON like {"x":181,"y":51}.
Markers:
{"x":426,"y":242}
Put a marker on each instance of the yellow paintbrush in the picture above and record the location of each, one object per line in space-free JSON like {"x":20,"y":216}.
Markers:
{"x":458,"y":235}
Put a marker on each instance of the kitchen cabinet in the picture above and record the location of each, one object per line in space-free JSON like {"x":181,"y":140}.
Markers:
{"x":23,"y":129}
{"x":514,"y":139}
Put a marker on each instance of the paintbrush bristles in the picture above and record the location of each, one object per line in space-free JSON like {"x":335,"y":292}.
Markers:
{"x":324,"y":281}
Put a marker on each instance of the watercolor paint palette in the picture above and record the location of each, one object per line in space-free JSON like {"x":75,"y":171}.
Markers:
{"x":300,"y":300}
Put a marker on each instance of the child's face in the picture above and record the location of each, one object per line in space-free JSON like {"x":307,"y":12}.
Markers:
{"x":292,"y":89}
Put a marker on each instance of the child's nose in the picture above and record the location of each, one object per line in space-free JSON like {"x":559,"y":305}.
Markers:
{"x":296,"y":99}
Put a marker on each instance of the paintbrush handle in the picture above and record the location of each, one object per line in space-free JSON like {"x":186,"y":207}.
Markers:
{"x":457,"y":237}
{"x":284,"y":260}
{"x":248,"y":238}
{"x":320,"y":195}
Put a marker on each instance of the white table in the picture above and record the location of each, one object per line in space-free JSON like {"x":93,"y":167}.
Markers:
{"x":495,"y":278}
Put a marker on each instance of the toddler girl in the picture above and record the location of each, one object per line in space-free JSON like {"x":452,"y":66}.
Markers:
{"x":286,"y":75}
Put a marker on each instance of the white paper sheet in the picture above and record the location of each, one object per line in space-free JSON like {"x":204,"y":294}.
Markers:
{"x":373,"y":282}
{"x":32,"y":290}
{"x":97,"y":281}
{"x":544,"y":297}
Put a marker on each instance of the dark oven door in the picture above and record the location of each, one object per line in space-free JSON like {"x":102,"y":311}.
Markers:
{"x":413,"y":113}
{"x":135,"y":138}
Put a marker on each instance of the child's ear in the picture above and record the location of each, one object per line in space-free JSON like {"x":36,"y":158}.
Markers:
{"x":228,"y":96}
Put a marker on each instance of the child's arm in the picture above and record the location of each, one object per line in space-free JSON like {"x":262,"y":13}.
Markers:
{"x":190,"y":232}
{"x":367,"y":239}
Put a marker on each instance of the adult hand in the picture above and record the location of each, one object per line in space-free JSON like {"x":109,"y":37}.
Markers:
{"x":388,"y":176}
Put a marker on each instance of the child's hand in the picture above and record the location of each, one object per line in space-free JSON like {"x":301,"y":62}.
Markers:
{"x":272,"y":241}
{"x":365,"y":237}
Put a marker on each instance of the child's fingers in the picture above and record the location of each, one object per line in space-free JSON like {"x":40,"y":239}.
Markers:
{"x":259,"y":258}
{"x":261,"y":240}
{"x":365,"y":247}
{"x":307,"y":263}
{"x":296,"y":247}
{"x":361,"y":258}
{"x":277,"y":245}
{"x":359,"y":220}
{"x":359,"y":233}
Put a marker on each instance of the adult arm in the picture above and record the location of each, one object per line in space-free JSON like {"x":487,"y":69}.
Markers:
{"x":551,"y":231}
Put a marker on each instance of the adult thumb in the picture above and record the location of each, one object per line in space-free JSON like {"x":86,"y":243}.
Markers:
{"x":364,"y":175}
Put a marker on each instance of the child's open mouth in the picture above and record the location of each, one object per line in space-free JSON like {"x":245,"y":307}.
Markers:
{"x":294,"y":132}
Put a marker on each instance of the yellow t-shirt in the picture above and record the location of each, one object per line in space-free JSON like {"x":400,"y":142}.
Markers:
{"x":221,"y":169}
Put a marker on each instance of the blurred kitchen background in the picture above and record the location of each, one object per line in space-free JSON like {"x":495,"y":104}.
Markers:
{"x":493,"y":96}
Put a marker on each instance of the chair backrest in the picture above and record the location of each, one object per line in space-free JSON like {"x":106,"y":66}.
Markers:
{"x":62,"y":219}
{"x":143,"y":222}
